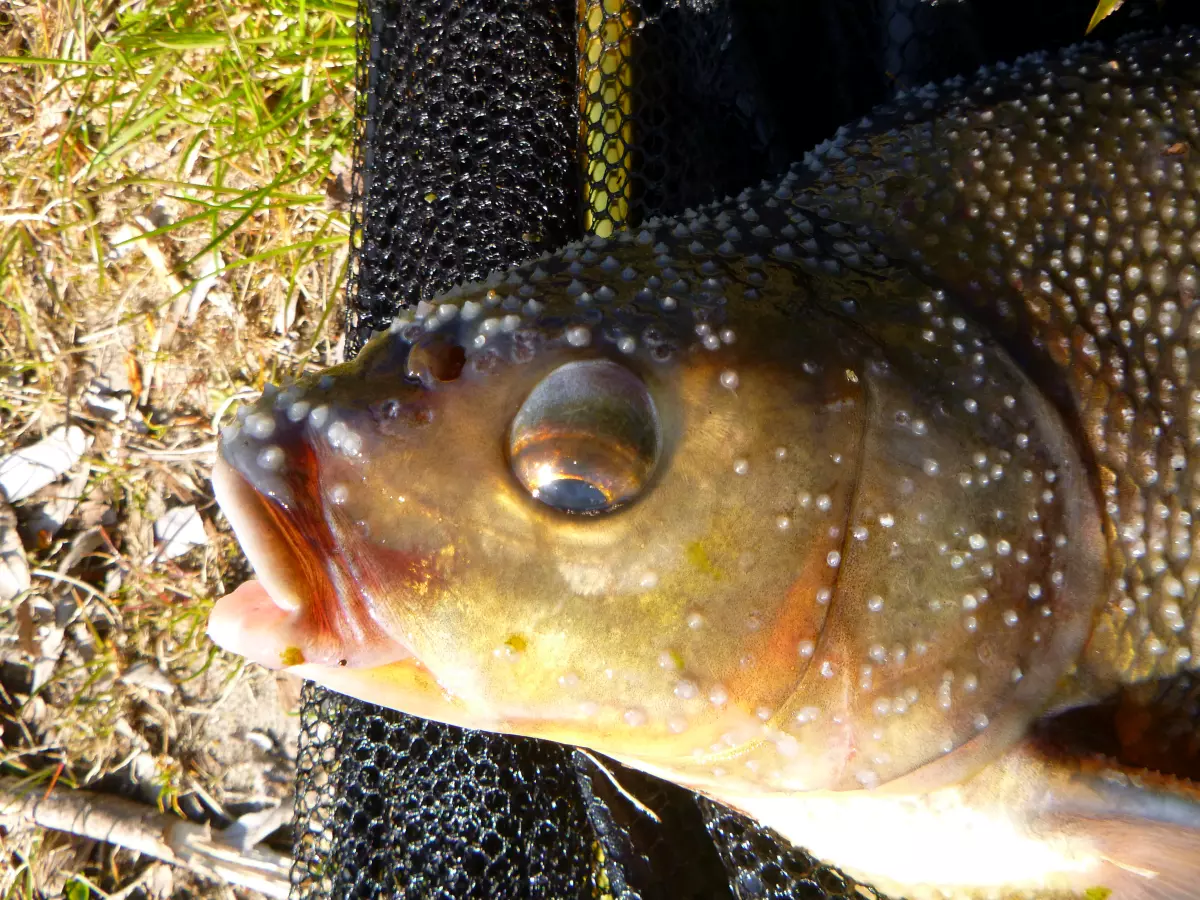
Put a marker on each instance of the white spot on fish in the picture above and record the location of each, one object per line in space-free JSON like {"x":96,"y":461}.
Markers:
{"x":686,"y":690}
{"x":259,"y":425}
{"x":807,"y":714}
{"x":634,"y":718}
{"x":271,"y":458}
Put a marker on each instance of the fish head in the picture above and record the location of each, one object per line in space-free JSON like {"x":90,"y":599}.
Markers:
{"x":760,"y":542}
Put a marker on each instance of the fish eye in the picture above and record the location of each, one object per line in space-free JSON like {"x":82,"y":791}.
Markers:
{"x":586,"y":439}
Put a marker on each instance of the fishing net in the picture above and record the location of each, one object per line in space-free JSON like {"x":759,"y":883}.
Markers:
{"x":489,"y":132}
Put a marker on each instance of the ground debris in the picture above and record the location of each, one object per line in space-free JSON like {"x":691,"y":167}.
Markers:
{"x":127,"y":824}
{"x":178,"y":531}
{"x":14,"y":568}
{"x":55,"y":505}
{"x":144,"y":349}
{"x":26,"y":471}
{"x":147,"y":675}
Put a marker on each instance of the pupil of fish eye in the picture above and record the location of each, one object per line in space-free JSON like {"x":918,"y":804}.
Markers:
{"x":571,"y":495}
{"x":586,"y":439}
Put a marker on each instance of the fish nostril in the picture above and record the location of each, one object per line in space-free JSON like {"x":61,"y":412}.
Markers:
{"x":436,"y":359}
{"x":587,"y":438}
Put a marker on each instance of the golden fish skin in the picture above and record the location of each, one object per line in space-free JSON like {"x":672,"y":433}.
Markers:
{"x":868,"y":469}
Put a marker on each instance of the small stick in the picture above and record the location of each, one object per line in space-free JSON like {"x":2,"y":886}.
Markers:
{"x":145,"y":830}
{"x":135,"y":235}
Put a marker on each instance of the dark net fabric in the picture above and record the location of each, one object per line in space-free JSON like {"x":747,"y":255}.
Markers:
{"x":467,"y":113}
{"x":490,"y":132}
{"x":652,"y":835}
{"x":761,"y":866}
{"x":395,"y":806}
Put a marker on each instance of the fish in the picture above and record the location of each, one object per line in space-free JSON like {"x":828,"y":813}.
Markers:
{"x":815,"y":500}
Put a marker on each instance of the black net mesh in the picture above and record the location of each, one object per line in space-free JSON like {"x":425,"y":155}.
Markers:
{"x":395,"y":806}
{"x":658,"y":85}
{"x":491,"y":131}
{"x":761,"y":866}
{"x":467,"y":149}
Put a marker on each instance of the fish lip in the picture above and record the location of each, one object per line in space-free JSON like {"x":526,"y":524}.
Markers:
{"x":243,"y":507}
{"x":350,"y":633}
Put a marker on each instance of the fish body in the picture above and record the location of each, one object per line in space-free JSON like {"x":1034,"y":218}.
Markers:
{"x":812,"y":501}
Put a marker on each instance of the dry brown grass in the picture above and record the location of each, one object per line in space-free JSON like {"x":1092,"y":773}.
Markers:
{"x":178,"y":138}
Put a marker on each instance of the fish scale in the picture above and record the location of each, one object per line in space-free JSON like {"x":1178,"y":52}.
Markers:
{"x":1091,"y":273}
{"x":873,"y":516}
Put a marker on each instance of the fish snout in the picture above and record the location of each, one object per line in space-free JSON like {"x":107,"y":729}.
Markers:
{"x":307,"y":605}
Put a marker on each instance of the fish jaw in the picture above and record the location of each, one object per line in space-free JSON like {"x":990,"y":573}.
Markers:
{"x":294,"y":612}
{"x":250,"y":623}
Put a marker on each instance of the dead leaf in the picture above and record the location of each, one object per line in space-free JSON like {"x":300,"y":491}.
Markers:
{"x":47,"y":521}
{"x":14,"y":567}
{"x":179,"y":530}
{"x":149,"y":676}
{"x":339,"y":191}
{"x":133,"y":371}
{"x":207,"y":270}
{"x":31,"y":468}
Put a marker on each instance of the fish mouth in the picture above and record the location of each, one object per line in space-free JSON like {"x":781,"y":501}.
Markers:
{"x":304,"y":608}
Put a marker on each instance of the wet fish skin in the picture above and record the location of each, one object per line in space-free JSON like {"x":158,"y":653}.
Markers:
{"x":790,"y":564}
{"x":689,"y":633}
{"x":1065,"y":217}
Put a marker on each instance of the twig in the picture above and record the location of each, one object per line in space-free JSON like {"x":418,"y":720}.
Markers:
{"x":206,"y":449}
{"x":145,"y":830}
{"x":164,"y":334}
{"x":83,"y":586}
